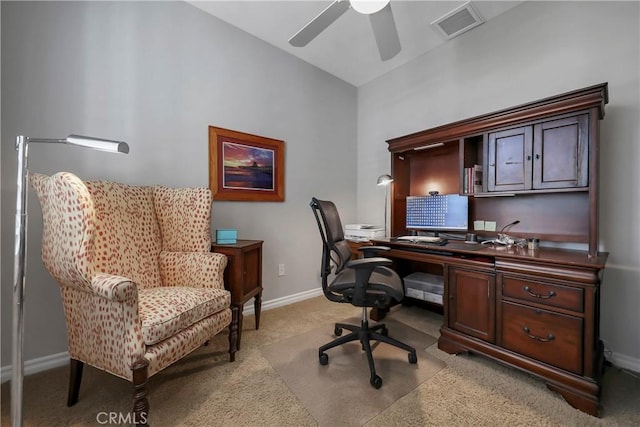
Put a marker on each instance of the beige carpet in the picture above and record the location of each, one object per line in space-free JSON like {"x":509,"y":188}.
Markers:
{"x":205,"y":390}
{"x":340,"y":393}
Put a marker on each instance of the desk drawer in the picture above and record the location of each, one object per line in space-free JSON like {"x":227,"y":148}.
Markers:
{"x":543,"y":293}
{"x":552,"y":338}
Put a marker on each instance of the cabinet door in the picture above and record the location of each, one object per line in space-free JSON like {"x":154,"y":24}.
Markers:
{"x":471,"y":303}
{"x":560,"y":153}
{"x":509,"y":162}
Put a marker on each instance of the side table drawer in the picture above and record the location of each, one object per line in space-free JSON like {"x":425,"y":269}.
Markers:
{"x":549,"y":294}
{"x":549,"y":337}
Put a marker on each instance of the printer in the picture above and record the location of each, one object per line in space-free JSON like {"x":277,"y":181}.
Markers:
{"x":363,"y":232}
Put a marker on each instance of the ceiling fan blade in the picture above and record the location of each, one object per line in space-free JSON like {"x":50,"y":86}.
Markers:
{"x":319,"y":23}
{"x":385,"y":32}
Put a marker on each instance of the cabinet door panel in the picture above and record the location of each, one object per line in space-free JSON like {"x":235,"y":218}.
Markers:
{"x":251,"y":271}
{"x":560,"y":153}
{"x":472,"y":303}
{"x":509,"y":165}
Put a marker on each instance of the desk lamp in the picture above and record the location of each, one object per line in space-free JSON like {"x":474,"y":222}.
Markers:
{"x":385,"y":180}
{"x":22,"y":146}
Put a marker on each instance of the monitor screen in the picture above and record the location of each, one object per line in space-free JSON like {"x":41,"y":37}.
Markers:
{"x":441,"y":212}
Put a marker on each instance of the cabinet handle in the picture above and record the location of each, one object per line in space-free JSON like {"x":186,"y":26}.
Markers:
{"x":528,"y":157}
{"x":537,"y":156}
{"x":549,"y":337}
{"x":551,"y":294}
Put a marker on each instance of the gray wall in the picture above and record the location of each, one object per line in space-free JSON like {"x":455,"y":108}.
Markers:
{"x":157,"y":74}
{"x":535,"y":50}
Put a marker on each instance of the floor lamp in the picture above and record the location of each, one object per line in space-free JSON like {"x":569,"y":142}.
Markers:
{"x":385,"y":180}
{"x":22,"y":147}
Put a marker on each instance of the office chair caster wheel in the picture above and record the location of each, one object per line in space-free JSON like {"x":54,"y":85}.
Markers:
{"x":413,"y":358}
{"x":376,"y":381}
{"x":324,"y":359}
{"x":337,"y":331}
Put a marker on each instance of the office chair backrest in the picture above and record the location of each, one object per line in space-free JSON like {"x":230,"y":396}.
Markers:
{"x":334,"y":247}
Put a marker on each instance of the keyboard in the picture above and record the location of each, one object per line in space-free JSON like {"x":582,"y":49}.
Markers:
{"x":421,"y":239}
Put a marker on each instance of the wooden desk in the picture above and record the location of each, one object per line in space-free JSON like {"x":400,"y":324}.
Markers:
{"x":243,"y":276}
{"x":538,"y":311}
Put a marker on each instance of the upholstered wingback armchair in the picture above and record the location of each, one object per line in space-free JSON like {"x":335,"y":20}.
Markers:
{"x":140,"y":287}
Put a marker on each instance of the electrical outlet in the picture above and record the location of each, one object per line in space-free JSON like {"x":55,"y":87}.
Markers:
{"x":281,"y":270}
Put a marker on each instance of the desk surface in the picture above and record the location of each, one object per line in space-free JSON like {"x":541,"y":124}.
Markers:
{"x":465,"y":250}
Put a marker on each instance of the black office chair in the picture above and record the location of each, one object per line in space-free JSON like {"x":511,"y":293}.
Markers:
{"x":365,"y":282}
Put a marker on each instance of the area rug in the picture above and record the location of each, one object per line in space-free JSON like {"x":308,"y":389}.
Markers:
{"x":339,"y":394}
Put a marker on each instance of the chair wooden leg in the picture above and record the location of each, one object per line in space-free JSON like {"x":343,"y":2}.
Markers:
{"x":233,"y":333}
{"x":75,"y":378}
{"x":140,"y":402}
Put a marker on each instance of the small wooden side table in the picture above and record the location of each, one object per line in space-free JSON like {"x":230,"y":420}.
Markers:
{"x":243,"y":276}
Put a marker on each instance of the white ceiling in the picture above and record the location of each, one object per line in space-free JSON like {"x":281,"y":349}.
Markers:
{"x":347,"y":48}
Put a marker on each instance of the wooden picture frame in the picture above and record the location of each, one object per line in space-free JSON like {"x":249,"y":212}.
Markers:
{"x":245,"y":167}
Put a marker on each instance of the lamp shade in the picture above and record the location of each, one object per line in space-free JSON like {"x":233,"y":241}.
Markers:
{"x":98,"y":143}
{"x":385,"y":179}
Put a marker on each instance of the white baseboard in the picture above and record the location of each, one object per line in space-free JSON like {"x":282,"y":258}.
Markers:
{"x":39,"y":364}
{"x":60,"y":359}
{"x":280,"y":302}
{"x":625,"y":362}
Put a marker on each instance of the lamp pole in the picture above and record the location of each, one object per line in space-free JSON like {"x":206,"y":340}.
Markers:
{"x":385,"y":180}
{"x":20,"y":261}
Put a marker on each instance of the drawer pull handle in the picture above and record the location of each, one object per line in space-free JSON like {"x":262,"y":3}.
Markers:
{"x":549,"y":337}
{"x":527,"y":289}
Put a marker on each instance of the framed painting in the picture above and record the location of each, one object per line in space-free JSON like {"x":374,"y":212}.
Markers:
{"x":245,"y":167}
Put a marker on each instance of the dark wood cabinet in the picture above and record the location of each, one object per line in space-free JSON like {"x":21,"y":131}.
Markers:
{"x":551,"y":154}
{"x":471,"y":305}
{"x":539,"y":310}
{"x":243,"y":276}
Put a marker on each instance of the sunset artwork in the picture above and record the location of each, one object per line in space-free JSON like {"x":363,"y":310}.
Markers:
{"x":247,"y":167}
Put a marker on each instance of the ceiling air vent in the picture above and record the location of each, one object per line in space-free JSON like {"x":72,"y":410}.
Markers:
{"x":458,"y":21}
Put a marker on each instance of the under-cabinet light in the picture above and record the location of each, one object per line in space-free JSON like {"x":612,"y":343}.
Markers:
{"x":426,"y":147}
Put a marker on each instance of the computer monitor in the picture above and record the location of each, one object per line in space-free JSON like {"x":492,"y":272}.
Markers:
{"x":438,"y":212}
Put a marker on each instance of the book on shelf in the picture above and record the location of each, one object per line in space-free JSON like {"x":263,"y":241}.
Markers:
{"x":472,"y":180}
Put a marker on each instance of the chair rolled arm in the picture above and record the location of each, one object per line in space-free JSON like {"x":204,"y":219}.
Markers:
{"x":195,"y":269}
{"x":115,"y":288}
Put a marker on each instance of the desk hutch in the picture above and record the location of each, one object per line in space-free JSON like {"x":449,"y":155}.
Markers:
{"x":535,"y":310}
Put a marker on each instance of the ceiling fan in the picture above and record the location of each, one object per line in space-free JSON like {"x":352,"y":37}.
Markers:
{"x":380,"y":15}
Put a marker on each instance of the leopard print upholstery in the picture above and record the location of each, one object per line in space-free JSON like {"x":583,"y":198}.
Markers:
{"x":183,"y":233}
{"x":127,"y":293}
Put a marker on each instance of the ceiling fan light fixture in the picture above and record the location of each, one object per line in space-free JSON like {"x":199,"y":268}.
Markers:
{"x":368,"y":7}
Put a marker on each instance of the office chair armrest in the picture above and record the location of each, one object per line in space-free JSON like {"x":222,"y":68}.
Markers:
{"x":370,"y":251}
{"x":369,"y":263}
